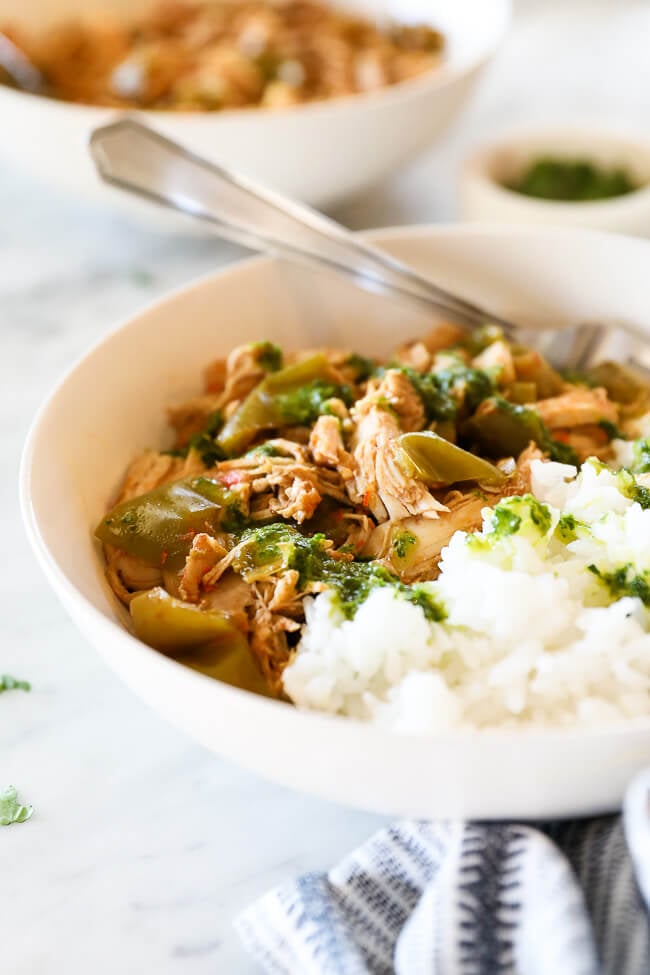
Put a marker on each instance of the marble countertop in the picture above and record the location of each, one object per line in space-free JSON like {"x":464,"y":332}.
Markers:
{"x":143,"y":846}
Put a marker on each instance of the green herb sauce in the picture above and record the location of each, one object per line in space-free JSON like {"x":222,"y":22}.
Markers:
{"x":280,"y":547}
{"x":269,"y":356}
{"x":572,"y":180}
{"x":623,"y":582}
{"x":304,"y":405}
{"x":403,"y":542}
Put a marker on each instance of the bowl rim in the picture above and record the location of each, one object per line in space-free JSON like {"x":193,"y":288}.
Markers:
{"x":114,"y":630}
{"x":476,"y":167}
{"x":441,"y":75}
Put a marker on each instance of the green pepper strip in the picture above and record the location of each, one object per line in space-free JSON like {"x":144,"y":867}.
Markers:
{"x":260,"y":410}
{"x":436,"y":461}
{"x":159,"y":526}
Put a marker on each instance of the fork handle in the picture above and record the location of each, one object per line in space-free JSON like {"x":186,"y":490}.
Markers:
{"x":136,"y":158}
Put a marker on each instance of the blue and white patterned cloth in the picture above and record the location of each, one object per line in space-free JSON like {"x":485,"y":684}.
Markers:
{"x":457,"y":898}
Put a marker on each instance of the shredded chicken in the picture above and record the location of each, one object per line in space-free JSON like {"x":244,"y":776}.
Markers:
{"x":577,"y":407}
{"x":214,"y":376}
{"x":327,"y":447}
{"x":128,"y":575}
{"x":204,"y":554}
{"x":462,"y":512}
{"x":587,"y":441}
{"x":191,"y":416}
{"x":232,"y":596}
{"x":379,"y":483}
{"x":152,"y":469}
{"x":243,"y":373}
{"x":414,"y":354}
{"x":497,"y":356}
{"x":268,"y":634}
{"x":442,"y":336}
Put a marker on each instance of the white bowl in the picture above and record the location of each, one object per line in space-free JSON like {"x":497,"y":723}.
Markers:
{"x":319,"y":153}
{"x":483,"y":196}
{"x":112,"y":404}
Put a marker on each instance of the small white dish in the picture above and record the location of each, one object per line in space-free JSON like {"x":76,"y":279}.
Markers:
{"x":112,"y":404}
{"x":320,"y":152}
{"x":484,"y":197}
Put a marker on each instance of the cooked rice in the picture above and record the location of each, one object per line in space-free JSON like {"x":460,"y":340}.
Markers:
{"x":533,"y":635}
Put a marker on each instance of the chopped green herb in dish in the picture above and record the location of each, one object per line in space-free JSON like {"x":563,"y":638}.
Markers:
{"x":572,"y":181}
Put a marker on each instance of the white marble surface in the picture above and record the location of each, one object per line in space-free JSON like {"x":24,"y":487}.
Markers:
{"x":143,"y":846}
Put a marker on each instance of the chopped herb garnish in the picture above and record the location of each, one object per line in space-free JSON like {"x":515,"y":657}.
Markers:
{"x":624,"y":582}
{"x":508,"y":516}
{"x":204,"y":442}
{"x":628,"y":486}
{"x":482,"y":336}
{"x":403,"y":542}
{"x":363,"y":368}
{"x":449,"y":391}
{"x":505,"y":522}
{"x":269,"y":356}
{"x":567,"y":529}
{"x":12,"y":811}
{"x":263,"y":449}
{"x":641,"y":453}
{"x":304,"y":405}
{"x":276,"y":547}
{"x":613,"y":432}
{"x":573,"y":180}
{"x":9,"y":683}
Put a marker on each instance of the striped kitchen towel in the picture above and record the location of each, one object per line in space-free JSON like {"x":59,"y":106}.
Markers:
{"x":454,"y":898}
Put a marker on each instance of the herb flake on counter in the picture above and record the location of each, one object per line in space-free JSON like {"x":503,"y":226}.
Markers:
{"x":11,"y":810}
{"x":9,"y":683}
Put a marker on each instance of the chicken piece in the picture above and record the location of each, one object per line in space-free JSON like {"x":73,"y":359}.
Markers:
{"x":192,"y":416}
{"x":232,"y":596}
{"x":243,"y":373}
{"x":204,"y":554}
{"x":298,"y":498}
{"x":531,"y":366}
{"x":327,"y":447}
{"x":497,"y":356}
{"x":577,"y":407}
{"x":286,"y":598}
{"x":214,"y":376}
{"x":268,"y":634}
{"x":397,"y":391}
{"x":378,"y":482}
{"x":400,"y":494}
{"x":414,"y":354}
{"x":587,"y":441}
{"x":147,"y":471}
{"x":463,"y":512}
{"x":443,"y":336}
{"x":128,"y":574}
{"x":521,"y":482}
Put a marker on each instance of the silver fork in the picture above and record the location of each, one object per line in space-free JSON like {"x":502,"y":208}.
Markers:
{"x":138,"y":159}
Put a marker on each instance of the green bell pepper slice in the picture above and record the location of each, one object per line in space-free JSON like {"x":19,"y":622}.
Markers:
{"x":205,"y":640}
{"x":260,"y":410}
{"x":159,"y":526}
{"x":437,"y":462}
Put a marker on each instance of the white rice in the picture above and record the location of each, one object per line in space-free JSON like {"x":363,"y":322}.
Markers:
{"x":532,"y":636}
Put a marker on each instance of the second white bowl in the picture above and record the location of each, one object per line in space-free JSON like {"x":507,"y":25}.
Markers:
{"x":320,"y":152}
